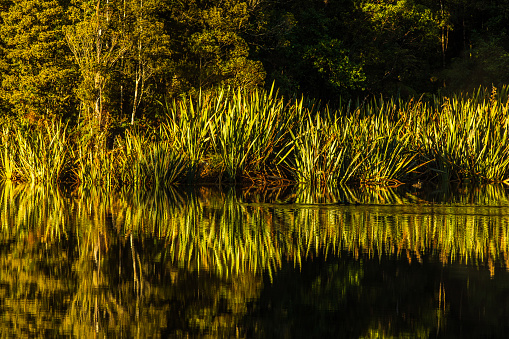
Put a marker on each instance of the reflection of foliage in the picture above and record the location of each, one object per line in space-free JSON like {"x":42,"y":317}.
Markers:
{"x":35,"y":263}
{"x":191,"y":263}
{"x":90,"y":264}
{"x":347,"y":298}
{"x":36,"y":286}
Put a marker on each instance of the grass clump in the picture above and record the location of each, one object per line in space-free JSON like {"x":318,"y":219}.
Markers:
{"x":34,"y":152}
{"x":235,"y":135}
{"x":467,"y":138}
{"x":250,"y":132}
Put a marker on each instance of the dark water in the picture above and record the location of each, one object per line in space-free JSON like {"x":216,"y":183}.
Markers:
{"x":280,"y":263}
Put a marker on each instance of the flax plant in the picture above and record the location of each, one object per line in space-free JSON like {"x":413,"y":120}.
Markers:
{"x":163,"y":164}
{"x":381,"y":134}
{"x":387,"y":154}
{"x":468,"y":139}
{"x":130,"y":164}
{"x":188,"y":126}
{"x":95,"y":164}
{"x":41,"y":151}
{"x":322,"y":154}
{"x":273,"y":120}
{"x":249,"y":133}
{"x":233,"y":136}
{"x":8,"y":162}
{"x":150,"y":159}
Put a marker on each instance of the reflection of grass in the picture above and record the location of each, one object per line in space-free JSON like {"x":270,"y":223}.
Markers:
{"x":220,"y":233}
{"x":114,"y":246}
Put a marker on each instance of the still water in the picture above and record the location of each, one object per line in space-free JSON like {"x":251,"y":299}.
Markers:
{"x":280,"y":263}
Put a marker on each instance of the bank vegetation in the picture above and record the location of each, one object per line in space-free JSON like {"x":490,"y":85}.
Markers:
{"x":257,"y":137}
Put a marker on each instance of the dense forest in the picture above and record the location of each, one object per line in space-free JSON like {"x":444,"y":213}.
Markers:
{"x":151,"y":92}
{"x":121,"y":59}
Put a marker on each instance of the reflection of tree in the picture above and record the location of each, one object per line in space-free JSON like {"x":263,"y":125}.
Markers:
{"x":115,"y":295}
{"x":348,"y":298}
{"x":35,"y":286}
{"x":92,"y":264}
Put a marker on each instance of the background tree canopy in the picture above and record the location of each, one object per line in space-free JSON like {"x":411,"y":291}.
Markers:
{"x":119,"y":59}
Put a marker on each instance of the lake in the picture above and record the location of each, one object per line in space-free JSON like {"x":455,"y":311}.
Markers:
{"x":283,"y":262}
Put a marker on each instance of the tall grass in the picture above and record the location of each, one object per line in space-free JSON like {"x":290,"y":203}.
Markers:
{"x":250,"y":133}
{"x":369,"y":146}
{"x":258,"y":136}
{"x":468,"y":138}
{"x":188,"y":126}
{"x":8,"y":161}
{"x":136,"y":158}
{"x":36,"y":153}
{"x":321,"y":153}
{"x":94,"y":163}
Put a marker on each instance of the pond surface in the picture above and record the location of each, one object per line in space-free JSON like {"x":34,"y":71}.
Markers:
{"x":280,"y":263}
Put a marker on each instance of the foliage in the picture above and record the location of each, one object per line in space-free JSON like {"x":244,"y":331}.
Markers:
{"x":126,"y":263}
{"x":36,"y":153}
{"x":105,"y":61}
{"x":258,"y":137}
{"x":37,"y":72}
{"x":211,"y":50}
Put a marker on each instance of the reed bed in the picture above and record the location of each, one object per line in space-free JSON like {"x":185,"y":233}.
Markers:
{"x":36,"y":153}
{"x":258,"y":137}
{"x":250,"y":133}
{"x":467,"y":138}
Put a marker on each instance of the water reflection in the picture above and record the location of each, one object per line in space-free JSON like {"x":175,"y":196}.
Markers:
{"x":280,"y":263}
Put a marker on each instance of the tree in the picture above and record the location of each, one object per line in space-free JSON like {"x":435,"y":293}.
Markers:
{"x":37,"y":70}
{"x":348,"y":47}
{"x":146,"y":63}
{"x":208,"y":48}
{"x":403,"y":40}
{"x":478,"y":46}
{"x":96,"y":47}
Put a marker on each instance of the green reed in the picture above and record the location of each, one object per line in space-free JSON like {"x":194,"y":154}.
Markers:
{"x":139,"y":159}
{"x":188,"y":125}
{"x":257,"y":135}
{"x":378,"y":137}
{"x":467,"y":138}
{"x":34,"y":152}
{"x":321,"y":153}
{"x":8,"y":163}
{"x":250,"y":132}
{"x":94,"y":163}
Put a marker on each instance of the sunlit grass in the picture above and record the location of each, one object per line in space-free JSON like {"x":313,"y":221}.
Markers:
{"x":8,"y":157}
{"x":256,"y":136}
{"x":36,"y":153}
{"x":322,"y":152}
{"x":250,"y":131}
{"x":468,"y":139}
